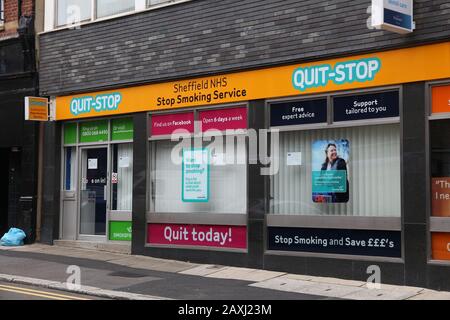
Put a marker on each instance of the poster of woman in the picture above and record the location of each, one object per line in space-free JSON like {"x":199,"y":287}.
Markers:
{"x":330,"y":171}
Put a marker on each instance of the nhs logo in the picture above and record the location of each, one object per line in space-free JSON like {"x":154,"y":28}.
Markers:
{"x":393,"y":15}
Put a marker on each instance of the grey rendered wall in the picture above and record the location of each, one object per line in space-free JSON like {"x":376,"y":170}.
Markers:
{"x":209,"y":36}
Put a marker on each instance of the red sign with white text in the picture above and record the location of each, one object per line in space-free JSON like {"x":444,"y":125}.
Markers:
{"x":223,"y":119}
{"x":166,"y":124}
{"x":198,"y":235}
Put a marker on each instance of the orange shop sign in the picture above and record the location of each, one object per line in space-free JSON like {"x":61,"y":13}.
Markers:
{"x":36,"y":109}
{"x":440,"y":246}
{"x":441,"y":99}
{"x":393,"y":67}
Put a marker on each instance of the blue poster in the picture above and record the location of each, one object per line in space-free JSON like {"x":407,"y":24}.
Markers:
{"x":195,"y":175}
{"x":329,"y":171}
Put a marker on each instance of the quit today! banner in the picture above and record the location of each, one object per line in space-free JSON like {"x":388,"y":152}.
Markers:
{"x":198,"y":235}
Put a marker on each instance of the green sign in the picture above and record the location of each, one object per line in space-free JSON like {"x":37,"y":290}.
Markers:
{"x":70,"y":133}
{"x":94,"y":131}
{"x":120,"y":230}
{"x":329,"y":181}
{"x":122,"y":129}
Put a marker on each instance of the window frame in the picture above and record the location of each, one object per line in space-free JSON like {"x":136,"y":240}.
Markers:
{"x":111,"y":215}
{"x":2,"y":13}
{"x":434,"y":224}
{"x":231,"y":219}
{"x":340,"y":222}
{"x":139,"y":6}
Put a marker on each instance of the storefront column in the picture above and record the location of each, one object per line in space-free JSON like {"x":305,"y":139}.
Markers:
{"x":257,"y":186}
{"x":414,"y":184}
{"x":140,"y":146}
{"x":52,"y":183}
{"x":26,"y":219}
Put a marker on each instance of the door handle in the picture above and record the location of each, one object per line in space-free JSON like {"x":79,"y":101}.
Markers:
{"x":104,"y":192}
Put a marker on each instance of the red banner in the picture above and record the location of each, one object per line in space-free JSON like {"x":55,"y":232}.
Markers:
{"x":166,"y":124}
{"x":198,"y":235}
{"x":223,"y":119}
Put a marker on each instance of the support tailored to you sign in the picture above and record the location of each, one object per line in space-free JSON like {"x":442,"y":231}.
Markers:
{"x":366,"y":106}
{"x":36,"y":109}
{"x":336,"y":241}
{"x":195,"y":175}
{"x":393,"y":15}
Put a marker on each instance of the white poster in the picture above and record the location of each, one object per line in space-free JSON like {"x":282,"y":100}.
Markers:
{"x":294,"y":159}
{"x":195,"y":175}
{"x":124,"y":162}
{"x":92,"y":164}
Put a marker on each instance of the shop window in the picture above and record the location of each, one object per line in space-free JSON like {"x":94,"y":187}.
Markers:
{"x":350,"y":170}
{"x":112,"y":7}
{"x":69,"y":12}
{"x":440,"y":168}
{"x":122,"y":177}
{"x":368,"y":183}
{"x":439,"y":131}
{"x":221,"y":184}
{"x":151,"y":3}
{"x":2,"y":12}
{"x":69,"y":168}
{"x":73,"y":11}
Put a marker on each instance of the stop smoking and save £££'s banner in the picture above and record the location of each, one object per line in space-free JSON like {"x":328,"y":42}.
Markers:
{"x":335,"y":241}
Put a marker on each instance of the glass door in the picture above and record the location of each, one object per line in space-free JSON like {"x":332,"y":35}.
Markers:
{"x":93,"y":191}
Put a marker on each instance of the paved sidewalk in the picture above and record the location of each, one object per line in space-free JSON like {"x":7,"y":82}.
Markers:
{"x":282,"y":285}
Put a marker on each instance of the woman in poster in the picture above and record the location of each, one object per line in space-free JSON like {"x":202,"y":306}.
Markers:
{"x":334,"y":162}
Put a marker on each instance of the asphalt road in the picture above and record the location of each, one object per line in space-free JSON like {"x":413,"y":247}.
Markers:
{"x":12,"y":291}
{"x":116,"y":277}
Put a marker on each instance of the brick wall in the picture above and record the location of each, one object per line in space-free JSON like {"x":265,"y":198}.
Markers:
{"x":9,"y":28}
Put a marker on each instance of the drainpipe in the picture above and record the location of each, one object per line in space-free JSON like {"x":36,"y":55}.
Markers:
{"x":41,"y":140}
{"x":19,"y":11}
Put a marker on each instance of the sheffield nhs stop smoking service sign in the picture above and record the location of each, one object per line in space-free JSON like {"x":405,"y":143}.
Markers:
{"x":393,"y":15}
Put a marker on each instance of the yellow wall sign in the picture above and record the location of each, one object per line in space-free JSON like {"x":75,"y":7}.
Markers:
{"x":371,"y":70}
{"x":36,"y":109}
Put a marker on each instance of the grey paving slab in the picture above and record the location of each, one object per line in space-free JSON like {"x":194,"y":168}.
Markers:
{"x":283,"y":284}
{"x":297,"y":277}
{"x":343,"y":282}
{"x":431,"y":295}
{"x":308,"y":287}
{"x":203,"y":270}
{"x":382,"y":294}
{"x":245,"y":274}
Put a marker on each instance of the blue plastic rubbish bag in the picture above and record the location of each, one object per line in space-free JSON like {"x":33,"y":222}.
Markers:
{"x":14,"y":237}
